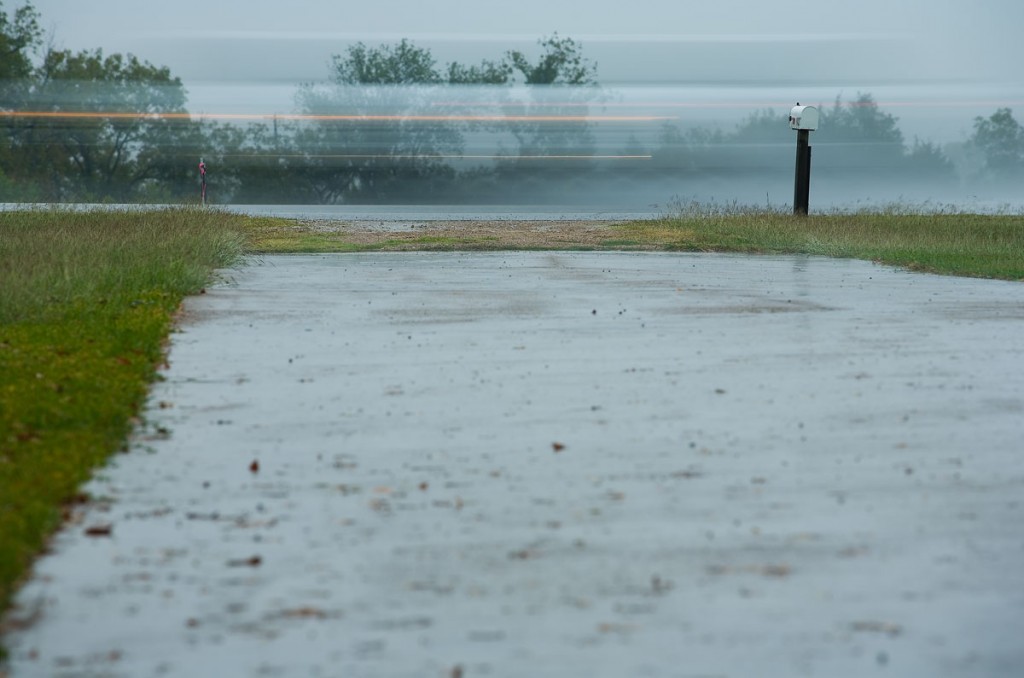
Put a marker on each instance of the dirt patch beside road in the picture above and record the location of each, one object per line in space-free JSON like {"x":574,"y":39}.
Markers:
{"x":469,"y":234}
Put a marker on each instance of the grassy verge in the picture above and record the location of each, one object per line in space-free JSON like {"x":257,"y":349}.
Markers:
{"x":950,"y":243}
{"x":86,"y":303}
{"x":990,"y":246}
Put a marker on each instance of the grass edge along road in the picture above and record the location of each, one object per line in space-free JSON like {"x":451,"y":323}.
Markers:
{"x":952,"y":243}
{"x":86,"y":303}
{"x":88,"y":299}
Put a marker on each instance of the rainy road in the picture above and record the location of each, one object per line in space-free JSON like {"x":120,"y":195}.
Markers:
{"x":550,"y":464}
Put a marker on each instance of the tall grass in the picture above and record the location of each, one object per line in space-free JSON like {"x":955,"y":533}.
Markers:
{"x":940,"y":242}
{"x":86,"y":303}
{"x":52,"y":258}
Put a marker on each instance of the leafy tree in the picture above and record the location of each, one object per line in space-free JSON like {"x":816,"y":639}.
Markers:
{"x":173,"y":158}
{"x":487,"y":73}
{"x":762,"y":141}
{"x":857,"y":135}
{"x":764,"y":126}
{"x":860,"y":120}
{"x":20,"y":37}
{"x":925,"y":160}
{"x":370,"y":140}
{"x":261,"y":166}
{"x":380,"y":135}
{"x":350,"y":156}
{"x":854,"y":137}
{"x":88,"y":126}
{"x":407,"y":64}
{"x":114,"y":128}
{"x":1000,"y":139}
{"x":96,"y":127}
{"x":562,"y":63}
{"x":852,"y":134}
{"x":109,"y":134}
{"x":401,"y":64}
{"x":548,"y":118}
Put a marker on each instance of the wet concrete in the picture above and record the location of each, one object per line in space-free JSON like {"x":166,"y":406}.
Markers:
{"x":590,"y":464}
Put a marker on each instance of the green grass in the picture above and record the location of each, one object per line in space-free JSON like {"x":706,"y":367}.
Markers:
{"x":86,"y":304}
{"x":990,"y":246}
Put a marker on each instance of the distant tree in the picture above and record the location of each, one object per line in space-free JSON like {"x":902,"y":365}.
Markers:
{"x":762,"y":141}
{"x":407,"y":64}
{"x":858,"y":136}
{"x":926,"y":160}
{"x":860,"y":120}
{"x":372,"y":139}
{"x":173,"y":157}
{"x":1000,"y":139}
{"x":548,"y":118}
{"x":261,"y":166}
{"x":111,"y":128}
{"x":487,"y":73}
{"x":561,"y":63}
{"x":400,"y":64}
{"x":86,"y":126}
{"x":697,"y":150}
{"x":20,"y":38}
{"x":404,"y":63}
{"x":112,"y":137}
{"x":763,"y":126}
{"x":380,"y":133}
{"x":853,"y":138}
{"x":669,"y":154}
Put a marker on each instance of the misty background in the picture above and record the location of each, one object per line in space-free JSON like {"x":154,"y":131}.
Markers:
{"x":682,"y":102}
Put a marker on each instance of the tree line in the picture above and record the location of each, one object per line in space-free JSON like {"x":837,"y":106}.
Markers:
{"x":385,"y":127}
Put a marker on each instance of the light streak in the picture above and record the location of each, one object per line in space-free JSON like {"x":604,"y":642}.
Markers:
{"x":305,"y":117}
{"x":729,"y":104}
{"x":384,"y":156}
{"x":609,"y":104}
{"x":118,"y":115}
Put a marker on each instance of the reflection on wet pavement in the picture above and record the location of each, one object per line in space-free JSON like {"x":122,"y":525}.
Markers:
{"x":596,"y":464}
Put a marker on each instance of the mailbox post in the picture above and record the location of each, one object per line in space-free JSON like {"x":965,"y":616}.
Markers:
{"x":804,"y":119}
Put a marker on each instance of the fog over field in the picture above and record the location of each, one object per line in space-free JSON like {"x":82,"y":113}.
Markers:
{"x":679,"y":102}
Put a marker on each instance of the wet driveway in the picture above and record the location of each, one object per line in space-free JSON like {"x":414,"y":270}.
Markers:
{"x":570,"y":464}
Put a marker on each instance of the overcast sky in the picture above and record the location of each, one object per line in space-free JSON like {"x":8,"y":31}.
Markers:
{"x":666,"y":40}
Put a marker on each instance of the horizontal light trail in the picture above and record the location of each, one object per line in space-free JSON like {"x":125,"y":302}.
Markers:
{"x":601,"y":104}
{"x":300,"y":117}
{"x":117,"y":115}
{"x":727,"y":104}
{"x":385,"y":156}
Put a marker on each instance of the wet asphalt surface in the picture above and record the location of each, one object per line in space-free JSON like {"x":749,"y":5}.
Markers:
{"x":571,"y":464}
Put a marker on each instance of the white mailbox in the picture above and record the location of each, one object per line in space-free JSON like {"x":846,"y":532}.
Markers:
{"x":803,"y":117}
